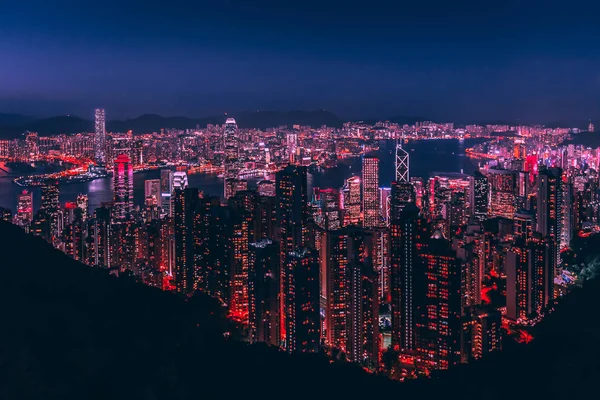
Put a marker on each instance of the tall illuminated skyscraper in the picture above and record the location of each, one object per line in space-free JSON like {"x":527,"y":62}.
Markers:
{"x":122,"y":187}
{"x":184,"y":205}
{"x":503,"y":189}
{"x":100,"y":136}
{"x":166,"y":189}
{"x":230,"y":139}
{"x":292,"y":216}
{"x":480,"y":196}
{"x":550,"y":208}
{"x":50,"y":206}
{"x":83,"y":204}
{"x":370,"y":191}
{"x":408,"y":236}
{"x":402,"y":164}
{"x":351,"y":201}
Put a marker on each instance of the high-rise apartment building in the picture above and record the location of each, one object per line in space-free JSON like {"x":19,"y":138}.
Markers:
{"x":370,"y":191}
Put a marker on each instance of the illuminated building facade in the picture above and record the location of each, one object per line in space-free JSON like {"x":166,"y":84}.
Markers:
{"x":401,"y":195}
{"x":550,"y":208}
{"x":122,"y":187}
{"x":292,"y":217}
{"x":184,"y":205}
{"x":166,"y":189}
{"x":334,"y":287}
{"x":370,"y":192}
{"x":439,"y":327}
{"x":303,"y":319}
{"x":152,"y":189}
{"x":480,"y":196}
{"x":100,"y":136}
{"x":503,"y":189}
{"x":408,"y":237}
{"x":263,"y":288}
{"x":351,"y":201}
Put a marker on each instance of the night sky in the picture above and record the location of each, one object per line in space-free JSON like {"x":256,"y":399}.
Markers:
{"x":445,"y":60}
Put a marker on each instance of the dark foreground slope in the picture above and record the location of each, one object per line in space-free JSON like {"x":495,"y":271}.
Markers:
{"x":73,"y":332}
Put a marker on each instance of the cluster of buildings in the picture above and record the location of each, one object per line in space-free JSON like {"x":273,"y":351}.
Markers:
{"x":352,"y":271}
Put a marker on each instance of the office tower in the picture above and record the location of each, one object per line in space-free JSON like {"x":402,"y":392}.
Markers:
{"x":482,"y":333}
{"x":334,"y":286}
{"x":303,"y":319}
{"x":230,"y":139}
{"x":401,"y":195}
{"x":83,"y":205}
{"x":122,"y":187}
{"x":330,"y":209}
{"x":351,"y":201}
{"x":529,"y":279}
{"x":100,"y":136}
{"x":234,"y":185}
{"x":408,"y":236}
{"x":263,"y":288}
{"x":292,"y":216}
{"x":384,"y":203}
{"x":523,"y":225}
{"x":180,"y":180}
{"x":25,"y":208}
{"x":439,"y":309}
{"x":550,"y":209}
{"x":166,"y":189}
{"x":370,"y":191}
{"x":184,"y":206}
{"x":50,"y":205}
{"x":480,"y":196}
{"x":266,"y":188}
{"x":503,"y":189}
{"x":402,"y":164}
{"x":152,"y":189}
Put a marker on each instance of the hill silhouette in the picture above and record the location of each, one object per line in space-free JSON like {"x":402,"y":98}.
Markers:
{"x":73,"y":332}
{"x":14,"y":125}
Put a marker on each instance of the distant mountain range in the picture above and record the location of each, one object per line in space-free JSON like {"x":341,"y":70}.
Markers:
{"x":13,"y":125}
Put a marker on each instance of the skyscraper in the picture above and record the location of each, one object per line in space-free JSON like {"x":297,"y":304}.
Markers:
{"x":480,"y":196}
{"x":402,"y":164}
{"x":180,"y":180}
{"x":401,"y":195}
{"x":351,"y":201}
{"x":503,"y":189}
{"x":184,"y":206}
{"x":439,"y":306}
{"x":100,"y":136}
{"x":166,"y":189}
{"x":152,"y":189}
{"x":408,"y":238}
{"x":50,"y":205}
{"x":292,"y":216}
{"x":263,"y":287}
{"x":122,"y":187}
{"x":303,"y":319}
{"x":370,"y":191}
{"x":230,"y":139}
{"x":550,"y":208}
